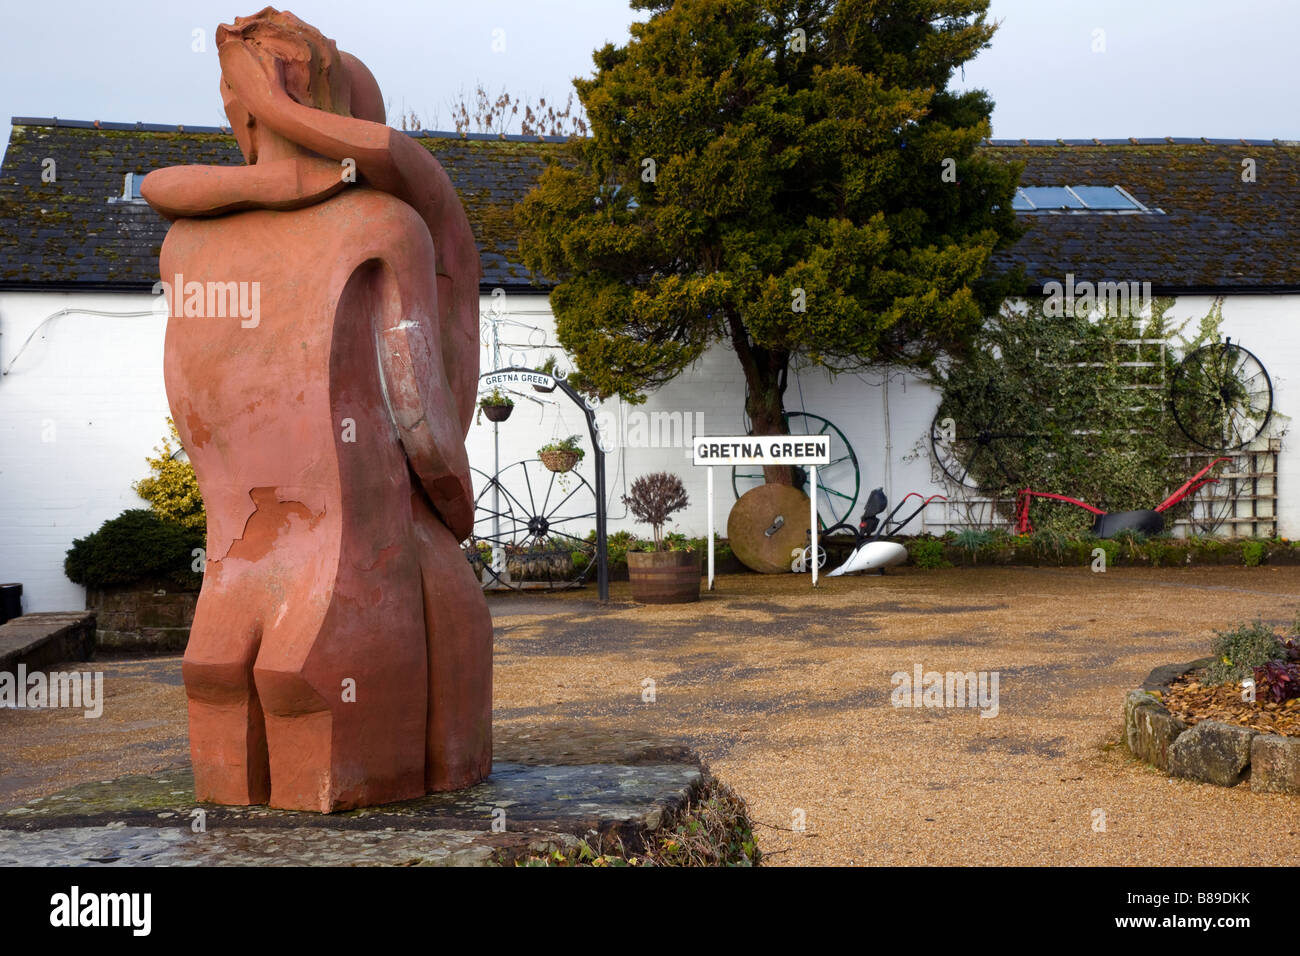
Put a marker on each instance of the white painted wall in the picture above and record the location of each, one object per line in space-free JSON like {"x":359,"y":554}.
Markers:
{"x":97,"y":379}
{"x":80,"y":407}
{"x":711,"y":396}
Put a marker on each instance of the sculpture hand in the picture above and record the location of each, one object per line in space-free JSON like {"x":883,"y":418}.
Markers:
{"x":256,"y":80}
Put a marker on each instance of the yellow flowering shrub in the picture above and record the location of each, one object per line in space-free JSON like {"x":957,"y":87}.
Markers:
{"x":171,"y":489}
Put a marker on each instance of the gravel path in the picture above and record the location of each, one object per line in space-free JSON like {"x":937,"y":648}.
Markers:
{"x":787,"y":693}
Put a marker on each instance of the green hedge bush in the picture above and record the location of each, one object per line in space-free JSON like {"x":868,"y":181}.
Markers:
{"x":136,"y":546}
{"x":1053,"y":549}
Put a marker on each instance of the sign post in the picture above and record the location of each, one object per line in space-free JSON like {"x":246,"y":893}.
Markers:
{"x":710,"y":474}
{"x":812,"y":520}
{"x":804,"y":450}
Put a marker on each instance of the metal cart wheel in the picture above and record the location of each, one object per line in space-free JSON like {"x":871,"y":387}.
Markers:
{"x":530,"y":528}
{"x":1221,"y":396}
{"x":838,"y":483}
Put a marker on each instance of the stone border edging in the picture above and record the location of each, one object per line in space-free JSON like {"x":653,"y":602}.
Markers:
{"x":1209,"y":751}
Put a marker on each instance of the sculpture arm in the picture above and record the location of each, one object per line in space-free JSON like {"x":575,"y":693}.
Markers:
{"x":180,"y":192}
{"x":419,"y":396}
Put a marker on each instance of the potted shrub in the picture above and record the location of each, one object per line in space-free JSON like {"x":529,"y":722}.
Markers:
{"x":496,"y":406}
{"x":142,"y":574}
{"x":669,"y":574}
{"x":562,"y":456}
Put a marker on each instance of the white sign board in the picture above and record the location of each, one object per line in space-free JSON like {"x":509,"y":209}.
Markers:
{"x":498,"y":379}
{"x":763,"y":450}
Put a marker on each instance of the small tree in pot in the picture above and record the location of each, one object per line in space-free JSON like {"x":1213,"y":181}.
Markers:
{"x":664,"y":575}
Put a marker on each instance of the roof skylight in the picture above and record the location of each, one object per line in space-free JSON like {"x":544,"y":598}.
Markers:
{"x":1076,"y":199}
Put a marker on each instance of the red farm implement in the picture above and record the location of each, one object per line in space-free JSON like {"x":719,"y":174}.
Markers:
{"x":1106,"y":525}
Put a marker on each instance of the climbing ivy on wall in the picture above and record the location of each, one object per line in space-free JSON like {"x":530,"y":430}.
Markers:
{"x":1083,"y":409}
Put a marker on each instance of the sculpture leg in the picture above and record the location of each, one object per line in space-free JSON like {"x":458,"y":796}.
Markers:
{"x":344,"y":695}
{"x":227,"y":729}
{"x":458,"y":628}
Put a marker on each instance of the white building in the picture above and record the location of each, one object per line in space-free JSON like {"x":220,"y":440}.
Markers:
{"x":81,"y":337}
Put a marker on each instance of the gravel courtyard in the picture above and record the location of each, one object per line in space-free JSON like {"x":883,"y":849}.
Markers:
{"x":786,"y":693}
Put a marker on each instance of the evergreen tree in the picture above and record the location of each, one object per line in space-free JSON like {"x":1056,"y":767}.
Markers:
{"x":786,"y":176}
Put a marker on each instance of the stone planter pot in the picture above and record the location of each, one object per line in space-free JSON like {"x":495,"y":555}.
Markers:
{"x":497,"y":413}
{"x":664,"y":577}
{"x":549,"y":565}
{"x":154,"y":617}
{"x":558,"y":461}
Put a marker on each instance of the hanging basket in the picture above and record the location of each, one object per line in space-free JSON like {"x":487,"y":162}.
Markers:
{"x":558,"y":461}
{"x":497,"y":413}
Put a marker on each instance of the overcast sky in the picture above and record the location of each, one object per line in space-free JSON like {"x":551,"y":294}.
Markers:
{"x":1218,"y":68}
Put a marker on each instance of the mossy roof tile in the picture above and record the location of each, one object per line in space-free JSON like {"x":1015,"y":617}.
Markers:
{"x":65,"y":232}
{"x":1211,"y":230}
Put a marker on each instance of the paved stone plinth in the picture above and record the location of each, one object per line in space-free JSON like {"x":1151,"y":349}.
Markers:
{"x":150,"y":819}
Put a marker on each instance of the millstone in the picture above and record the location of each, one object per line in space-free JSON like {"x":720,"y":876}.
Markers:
{"x":756,"y":514}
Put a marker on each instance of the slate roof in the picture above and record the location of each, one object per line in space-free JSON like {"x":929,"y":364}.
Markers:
{"x":1212,"y":231}
{"x":68,"y":235}
{"x":1209,"y":232}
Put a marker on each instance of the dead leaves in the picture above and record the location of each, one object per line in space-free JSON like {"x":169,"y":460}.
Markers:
{"x":1194,"y":702}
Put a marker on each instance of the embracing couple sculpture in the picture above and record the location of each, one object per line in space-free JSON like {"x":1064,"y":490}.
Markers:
{"x":341,"y":650}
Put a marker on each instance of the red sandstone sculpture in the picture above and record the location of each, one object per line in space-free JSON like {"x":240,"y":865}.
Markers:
{"x":341,"y":650}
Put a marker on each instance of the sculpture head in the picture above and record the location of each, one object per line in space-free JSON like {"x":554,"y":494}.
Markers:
{"x":306,"y":64}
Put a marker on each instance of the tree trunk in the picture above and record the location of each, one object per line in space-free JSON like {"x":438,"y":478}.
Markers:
{"x":765,"y":381}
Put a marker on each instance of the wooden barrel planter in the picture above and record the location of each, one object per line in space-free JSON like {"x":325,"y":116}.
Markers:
{"x":497,"y":413}
{"x":664,"y":577}
{"x":558,"y":461}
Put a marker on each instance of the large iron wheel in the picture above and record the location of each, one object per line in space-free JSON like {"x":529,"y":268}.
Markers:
{"x":1221,"y":396}
{"x":531,"y":528}
{"x":838,"y":483}
{"x":975,"y":453}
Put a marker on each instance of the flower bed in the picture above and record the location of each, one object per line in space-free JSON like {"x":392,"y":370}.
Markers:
{"x":1209,"y":751}
{"x":1193,"y":700}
